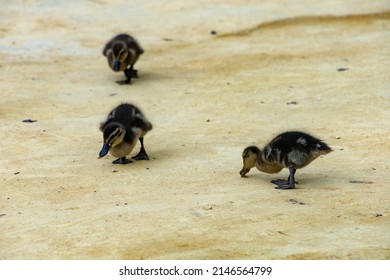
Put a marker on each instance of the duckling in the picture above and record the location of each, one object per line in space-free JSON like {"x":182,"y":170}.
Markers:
{"x":124,"y":125}
{"x":292,"y":150}
{"x":122,"y":53}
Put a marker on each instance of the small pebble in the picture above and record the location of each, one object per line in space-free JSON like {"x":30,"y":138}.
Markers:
{"x":213,"y":32}
{"x":114,"y":170}
{"x":209,"y":207}
{"x":377,"y":215}
{"x":341,"y":69}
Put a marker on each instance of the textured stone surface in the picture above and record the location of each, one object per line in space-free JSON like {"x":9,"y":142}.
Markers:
{"x":271,"y":67}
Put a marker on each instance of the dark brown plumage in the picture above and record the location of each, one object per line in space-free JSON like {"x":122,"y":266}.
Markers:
{"x":124,"y":126}
{"x":122,"y":53}
{"x":292,"y":150}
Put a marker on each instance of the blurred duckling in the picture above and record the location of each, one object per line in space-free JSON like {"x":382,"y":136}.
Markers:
{"x":125,"y":125}
{"x":122,"y":53}
{"x":292,"y":150}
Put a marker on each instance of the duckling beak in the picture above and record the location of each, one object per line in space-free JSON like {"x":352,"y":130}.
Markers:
{"x":244,"y":171}
{"x":104,"y":150}
{"x":117,"y":65}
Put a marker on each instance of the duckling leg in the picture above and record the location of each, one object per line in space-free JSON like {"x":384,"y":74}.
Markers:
{"x":129,"y":73}
{"x":125,"y":82}
{"x":142,"y":155}
{"x":291,"y":180}
{"x":122,"y":160}
{"x":132,"y":72}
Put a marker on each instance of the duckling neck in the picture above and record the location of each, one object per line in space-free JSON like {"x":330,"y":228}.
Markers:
{"x":123,"y":149}
{"x":268,"y":167}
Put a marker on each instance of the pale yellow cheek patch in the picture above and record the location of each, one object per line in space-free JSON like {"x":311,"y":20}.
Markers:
{"x":249,"y":161}
{"x":123,"y":56}
{"x":117,"y":140}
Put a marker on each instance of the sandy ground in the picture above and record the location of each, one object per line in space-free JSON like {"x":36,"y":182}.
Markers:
{"x":272,"y":66}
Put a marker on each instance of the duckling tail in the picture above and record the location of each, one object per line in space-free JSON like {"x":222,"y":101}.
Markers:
{"x":323,"y":148}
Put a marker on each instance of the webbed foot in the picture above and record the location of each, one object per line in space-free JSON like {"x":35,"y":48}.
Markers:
{"x":279,"y":182}
{"x":282,"y":182}
{"x":124,"y":82}
{"x":142,"y":155}
{"x":285,"y":187}
{"x":122,"y":160}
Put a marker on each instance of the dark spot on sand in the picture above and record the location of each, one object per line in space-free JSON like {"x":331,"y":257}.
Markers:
{"x":360,"y":182}
{"x":294,"y":201}
{"x":29,"y":121}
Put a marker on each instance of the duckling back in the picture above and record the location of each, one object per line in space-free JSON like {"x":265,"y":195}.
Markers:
{"x":295,"y":148}
{"x":132,"y":45}
{"x":130,"y":117}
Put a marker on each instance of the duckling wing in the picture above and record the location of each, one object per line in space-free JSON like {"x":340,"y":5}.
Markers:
{"x":132,"y":44}
{"x":142,"y":123}
{"x":298,"y":140}
{"x":298,"y":148}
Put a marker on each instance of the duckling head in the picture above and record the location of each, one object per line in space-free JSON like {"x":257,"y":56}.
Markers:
{"x":249,"y":158}
{"x":117,"y":56}
{"x":113,"y":135}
